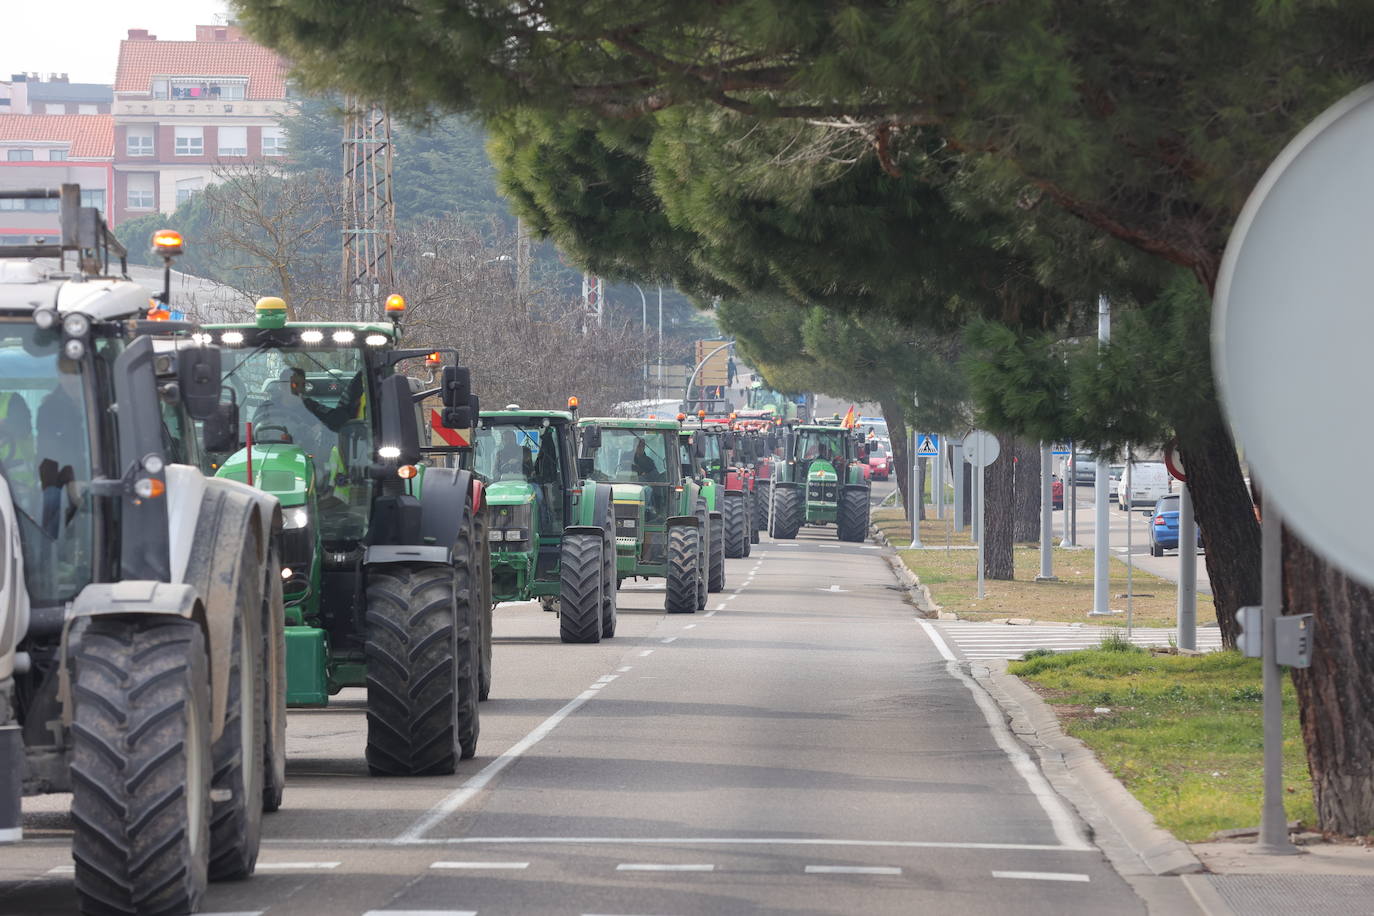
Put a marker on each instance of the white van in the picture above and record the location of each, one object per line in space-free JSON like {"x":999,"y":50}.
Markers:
{"x":1148,"y":481}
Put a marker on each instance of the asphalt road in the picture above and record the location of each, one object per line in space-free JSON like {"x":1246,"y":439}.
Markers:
{"x":801,"y":747}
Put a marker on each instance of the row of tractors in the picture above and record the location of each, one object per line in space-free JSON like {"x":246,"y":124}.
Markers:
{"x":206,"y":524}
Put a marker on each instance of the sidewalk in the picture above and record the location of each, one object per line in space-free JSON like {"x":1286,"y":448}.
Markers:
{"x":1326,"y":879}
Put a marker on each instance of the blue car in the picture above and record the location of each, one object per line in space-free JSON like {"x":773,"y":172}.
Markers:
{"x":1164,"y":526}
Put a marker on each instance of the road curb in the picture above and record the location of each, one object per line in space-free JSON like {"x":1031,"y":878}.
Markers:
{"x":919,"y":594}
{"x":1076,"y":772}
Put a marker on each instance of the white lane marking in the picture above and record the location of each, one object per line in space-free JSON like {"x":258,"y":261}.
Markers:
{"x":596,"y":686}
{"x":646,"y":652}
{"x":711,"y":614}
{"x":606,"y":678}
{"x":1065,"y":828}
{"x":668,"y":640}
{"x":298,"y":866}
{"x":420,"y":913}
{"x":233,"y":913}
{"x":673,"y":841}
{"x":644,"y":866}
{"x":870,"y":547}
{"x":937,"y":640}
{"x":478,"y":781}
{"x":1041,"y":875}
{"x":626,"y":668}
{"x":62,"y":870}
{"x":693,"y":626}
{"x":506,"y":866}
{"x":832,"y":589}
{"x":852,"y":870}
{"x":728,"y":598}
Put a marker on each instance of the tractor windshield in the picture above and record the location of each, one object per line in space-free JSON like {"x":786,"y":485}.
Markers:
{"x":45,"y":454}
{"x":635,"y":456}
{"x":825,"y":444}
{"x":313,"y":397}
{"x":523,"y":449}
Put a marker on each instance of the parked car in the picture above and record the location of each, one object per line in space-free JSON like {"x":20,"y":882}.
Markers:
{"x":1164,"y":526}
{"x":1082,"y":468}
{"x":1149,"y":482}
{"x":1114,"y":480}
{"x":880,"y":464}
{"x":1057,"y":494}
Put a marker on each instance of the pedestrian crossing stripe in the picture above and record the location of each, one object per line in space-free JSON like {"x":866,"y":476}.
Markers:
{"x":927,"y":446}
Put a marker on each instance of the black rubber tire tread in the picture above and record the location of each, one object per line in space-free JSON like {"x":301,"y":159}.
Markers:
{"x":736,"y":517}
{"x":703,"y":553}
{"x":413,"y":678}
{"x":684,"y":551}
{"x":750,"y":534}
{"x":236,"y":821}
{"x":579,"y":590}
{"x":852,"y":518}
{"x":480,"y":526}
{"x":274,"y":709}
{"x":758,"y":511}
{"x":467,"y":635}
{"x":787,"y":510}
{"x":1156,"y":551}
{"x":609,"y":581}
{"x":138,"y":686}
{"x":715,"y":580}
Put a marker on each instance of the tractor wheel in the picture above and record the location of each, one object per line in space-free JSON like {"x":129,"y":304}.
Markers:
{"x":787,"y":512}
{"x":852,"y":521}
{"x":716,"y":564}
{"x":750,"y":535}
{"x":736,"y":521}
{"x":236,"y":785}
{"x":758,"y":511}
{"x":609,"y":581}
{"x":483,"y":603}
{"x":703,"y":553}
{"x":579,"y":598}
{"x":274,"y":709}
{"x":420,"y":679}
{"x":684,"y":552}
{"x":141,"y":766}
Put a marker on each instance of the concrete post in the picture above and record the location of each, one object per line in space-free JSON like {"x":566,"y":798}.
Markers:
{"x":956,"y":467}
{"x":1273,"y":836}
{"x":1046,"y":516}
{"x":1187,"y":571}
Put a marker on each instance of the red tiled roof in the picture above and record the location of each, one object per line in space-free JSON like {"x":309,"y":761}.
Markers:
{"x":90,"y":136}
{"x":140,"y":61}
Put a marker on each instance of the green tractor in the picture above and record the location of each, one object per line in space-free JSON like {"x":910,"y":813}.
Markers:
{"x":721,"y":454}
{"x":822,"y":482}
{"x":674,"y":508}
{"x":552,"y":537}
{"x":384,"y":556}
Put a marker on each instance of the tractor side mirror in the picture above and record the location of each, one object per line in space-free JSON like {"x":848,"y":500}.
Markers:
{"x":699,"y":445}
{"x":220,"y":430}
{"x":773,"y":444}
{"x":456,"y":386}
{"x":585,"y":466}
{"x":730,"y":441}
{"x":456,"y":418}
{"x":399,"y":430}
{"x":591,"y":439}
{"x":198,"y":380}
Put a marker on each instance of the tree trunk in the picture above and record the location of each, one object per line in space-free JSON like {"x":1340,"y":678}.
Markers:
{"x":1336,"y":694}
{"x":1225,"y":514}
{"x":896,"y":432}
{"x":999,"y":507}
{"x":1026,"y":483}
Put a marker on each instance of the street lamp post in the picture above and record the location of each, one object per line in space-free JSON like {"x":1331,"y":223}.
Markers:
{"x":644,"y":337}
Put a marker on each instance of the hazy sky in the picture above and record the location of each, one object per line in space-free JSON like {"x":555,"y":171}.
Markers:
{"x":81,"y":37}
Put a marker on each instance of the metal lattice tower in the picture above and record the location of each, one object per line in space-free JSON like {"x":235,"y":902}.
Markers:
{"x":369,"y":212}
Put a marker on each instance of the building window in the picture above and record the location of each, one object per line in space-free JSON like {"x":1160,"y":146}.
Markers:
{"x":11,"y":240}
{"x":20,"y":155}
{"x":273,"y":141}
{"x":93,"y":199}
{"x":57,"y":155}
{"x":55,"y":108}
{"x":88,"y":109}
{"x":188,"y":188}
{"x":138,"y":141}
{"x":140,"y":192}
{"x":233,"y":141}
{"x":190,"y":141}
{"x":35,"y":205}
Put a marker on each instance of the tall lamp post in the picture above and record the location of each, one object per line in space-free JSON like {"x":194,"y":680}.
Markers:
{"x":644,"y":337}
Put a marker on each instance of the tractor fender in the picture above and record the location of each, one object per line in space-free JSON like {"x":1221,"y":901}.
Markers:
{"x":186,"y":487}
{"x":782,"y":484}
{"x":445,"y":503}
{"x":595,"y":505}
{"x":14,"y":593}
{"x":684,"y":521}
{"x":584,"y":529}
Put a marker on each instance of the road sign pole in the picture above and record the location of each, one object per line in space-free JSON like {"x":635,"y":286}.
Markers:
{"x":1071,"y":494}
{"x":1187,"y":571}
{"x":913,"y":487}
{"x":1130,"y":558}
{"x":1273,"y":834}
{"x":1046,"y":516}
{"x":937,"y":485}
{"x":978,"y":508}
{"x":956,"y":467}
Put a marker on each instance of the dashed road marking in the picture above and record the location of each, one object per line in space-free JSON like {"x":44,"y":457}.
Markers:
{"x":668,"y":640}
{"x":334,"y":842}
{"x":937,"y":640}
{"x":298,"y":866}
{"x":647,"y":866}
{"x":711,"y":614}
{"x":1041,"y":876}
{"x":646,"y":652}
{"x":626,"y":668}
{"x":420,"y":913}
{"x":502,"y":866}
{"x":62,"y":870}
{"x":606,"y":678}
{"x":693,"y":626}
{"x":852,"y":870}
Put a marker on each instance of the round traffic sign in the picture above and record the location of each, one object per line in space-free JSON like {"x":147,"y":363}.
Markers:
{"x":1174,"y":462}
{"x":1291,"y":327}
{"x":981,"y":448}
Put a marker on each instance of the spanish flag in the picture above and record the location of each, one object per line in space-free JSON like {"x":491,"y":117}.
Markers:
{"x":849,"y":418}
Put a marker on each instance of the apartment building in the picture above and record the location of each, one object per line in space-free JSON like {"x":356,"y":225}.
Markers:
{"x":29,"y":93}
{"x":47,"y":151}
{"x":183,"y":108}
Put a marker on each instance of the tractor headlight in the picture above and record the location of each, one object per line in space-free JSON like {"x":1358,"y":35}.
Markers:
{"x":515,"y":534}
{"x":74,"y":348}
{"x":495,"y":534}
{"x":296,"y":517}
{"x":76,"y":325}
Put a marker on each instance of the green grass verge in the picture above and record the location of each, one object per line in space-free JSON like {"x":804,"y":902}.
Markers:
{"x":1184,"y":733}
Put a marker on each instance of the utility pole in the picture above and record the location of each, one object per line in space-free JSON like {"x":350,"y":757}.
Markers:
{"x":1102,"y":511}
{"x":1046,"y":516}
{"x":369,"y":213}
{"x":1187,"y":571}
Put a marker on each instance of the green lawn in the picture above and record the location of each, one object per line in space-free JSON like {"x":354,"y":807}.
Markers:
{"x":1184,"y":733}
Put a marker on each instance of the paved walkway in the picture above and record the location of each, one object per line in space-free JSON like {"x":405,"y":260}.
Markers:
{"x":1000,"y":640}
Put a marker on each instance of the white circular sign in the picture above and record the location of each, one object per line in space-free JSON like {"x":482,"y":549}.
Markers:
{"x":1292,"y":326}
{"x":981,"y":448}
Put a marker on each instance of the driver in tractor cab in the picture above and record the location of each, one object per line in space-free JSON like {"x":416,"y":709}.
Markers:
{"x":18,"y":453}
{"x":513,"y":459}
{"x":282,"y":409}
{"x":643,"y":464}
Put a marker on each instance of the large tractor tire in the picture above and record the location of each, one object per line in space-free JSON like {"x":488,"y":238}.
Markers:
{"x":736,"y":517}
{"x":758,"y":511}
{"x":715,"y":580}
{"x":703,"y":554}
{"x":274,"y":709}
{"x":787,"y":513}
{"x":420,"y":678}
{"x":579,"y":590}
{"x":483,"y":602}
{"x":750,"y":535}
{"x":610,"y":582}
{"x":468,"y":591}
{"x":852,"y":518}
{"x":684,"y":553}
{"x":141,"y":765}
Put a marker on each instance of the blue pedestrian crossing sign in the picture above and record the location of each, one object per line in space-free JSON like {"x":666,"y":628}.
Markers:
{"x":1060,"y":448}
{"x":927,"y":445}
